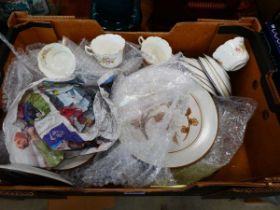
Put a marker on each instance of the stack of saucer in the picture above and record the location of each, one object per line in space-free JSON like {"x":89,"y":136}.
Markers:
{"x":209,"y":74}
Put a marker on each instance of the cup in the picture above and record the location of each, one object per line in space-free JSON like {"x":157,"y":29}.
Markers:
{"x":155,"y":50}
{"x":56,"y":61}
{"x":232,"y":55}
{"x":107,"y":49}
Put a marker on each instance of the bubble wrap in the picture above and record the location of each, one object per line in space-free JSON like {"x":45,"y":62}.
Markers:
{"x":149,"y":99}
{"x":234,"y":114}
{"x":22,"y":71}
{"x":90,"y":71}
{"x":116,"y":166}
{"x":24,"y":68}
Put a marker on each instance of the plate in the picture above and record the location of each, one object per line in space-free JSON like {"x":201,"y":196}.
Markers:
{"x":56,"y":61}
{"x":194,"y":133}
{"x":211,"y":76}
{"x":219,"y":80}
{"x":220,"y":71}
{"x":202,"y":84}
{"x":24,"y":174}
{"x":196,"y":145}
{"x":200,"y":78}
{"x":149,"y":126}
{"x":73,"y":162}
{"x":195,"y":70}
{"x":193,"y":62}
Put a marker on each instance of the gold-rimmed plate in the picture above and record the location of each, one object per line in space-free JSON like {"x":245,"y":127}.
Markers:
{"x":205,"y":117}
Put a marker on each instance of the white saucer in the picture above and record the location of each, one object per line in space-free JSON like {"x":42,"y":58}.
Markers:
{"x":193,"y":62}
{"x":219,"y":80}
{"x":202,"y":84}
{"x":200,"y":77}
{"x":195,"y":70}
{"x":56,"y":61}
{"x":212,"y":77}
{"x":220,"y":71}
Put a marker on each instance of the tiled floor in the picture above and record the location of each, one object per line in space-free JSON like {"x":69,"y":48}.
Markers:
{"x":135,"y":203}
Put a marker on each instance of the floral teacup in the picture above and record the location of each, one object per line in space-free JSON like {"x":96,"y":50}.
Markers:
{"x":107,"y":49}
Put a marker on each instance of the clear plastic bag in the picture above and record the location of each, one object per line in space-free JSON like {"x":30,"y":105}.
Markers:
{"x":121,"y":166}
{"x":234,"y":114}
{"x":116,"y":166}
{"x":22,"y":71}
{"x":149,"y":102}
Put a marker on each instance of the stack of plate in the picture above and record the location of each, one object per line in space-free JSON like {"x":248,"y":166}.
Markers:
{"x":209,"y":74}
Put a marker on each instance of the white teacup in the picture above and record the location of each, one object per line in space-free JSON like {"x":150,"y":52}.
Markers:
{"x":56,"y":61}
{"x":232,"y":55}
{"x":155,"y":50}
{"x":107,"y":49}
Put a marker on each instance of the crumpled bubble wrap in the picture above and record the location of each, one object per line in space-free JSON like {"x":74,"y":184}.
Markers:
{"x":148,"y":102}
{"x":158,"y":91}
{"x":233,"y":116}
{"x":24,"y":68}
{"x":116,"y":166}
{"x":22,"y":71}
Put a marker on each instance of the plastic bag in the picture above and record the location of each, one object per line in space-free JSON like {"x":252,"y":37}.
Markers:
{"x":49,"y":116}
{"x":116,"y":166}
{"x":234,"y":114}
{"x":149,"y":102}
{"x":22,"y":71}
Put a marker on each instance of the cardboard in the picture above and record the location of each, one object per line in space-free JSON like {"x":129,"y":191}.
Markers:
{"x":256,"y":162}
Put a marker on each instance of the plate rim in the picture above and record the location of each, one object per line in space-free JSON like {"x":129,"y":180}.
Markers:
{"x":223,"y":76}
{"x":215,"y":117}
{"x":218,"y":79}
{"x":212,"y":77}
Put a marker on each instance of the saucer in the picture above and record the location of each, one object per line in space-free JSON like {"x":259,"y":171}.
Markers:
{"x":56,"y":61}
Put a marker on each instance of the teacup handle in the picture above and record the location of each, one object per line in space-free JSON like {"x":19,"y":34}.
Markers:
{"x":140,"y":40}
{"x":88,"y":50}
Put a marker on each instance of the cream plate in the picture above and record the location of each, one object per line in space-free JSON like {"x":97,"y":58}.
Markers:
{"x":194,"y":70}
{"x":56,"y":61}
{"x":194,"y":131}
{"x":211,"y":75}
{"x":203,"y":84}
{"x":69,"y":163}
{"x":200,"y":77}
{"x":201,"y":137}
{"x":220,"y":71}
{"x":193,"y":62}
{"x":219,"y":80}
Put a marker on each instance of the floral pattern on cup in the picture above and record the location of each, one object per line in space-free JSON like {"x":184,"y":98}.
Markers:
{"x":232,"y":55}
{"x":107,"y":49}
